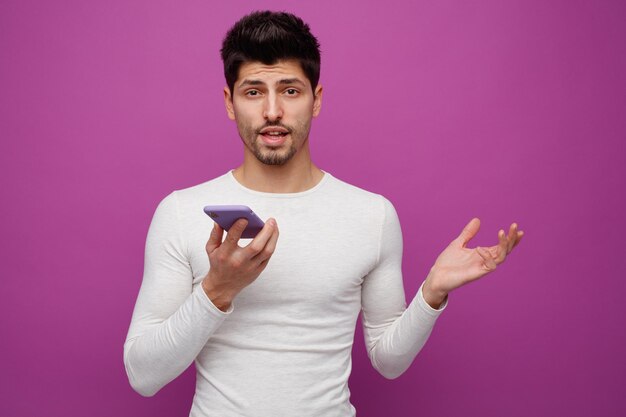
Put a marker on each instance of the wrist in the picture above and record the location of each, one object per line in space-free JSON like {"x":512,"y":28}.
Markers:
{"x":219,"y":296}
{"x":431,"y":292}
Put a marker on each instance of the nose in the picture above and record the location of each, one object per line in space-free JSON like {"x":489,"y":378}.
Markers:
{"x":273,"y":109}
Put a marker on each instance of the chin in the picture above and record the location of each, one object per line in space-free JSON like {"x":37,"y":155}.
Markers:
{"x":275,"y":158}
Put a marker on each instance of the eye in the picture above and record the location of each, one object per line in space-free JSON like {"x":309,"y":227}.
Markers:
{"x":291,"y":91}
{"x":252,"y":93}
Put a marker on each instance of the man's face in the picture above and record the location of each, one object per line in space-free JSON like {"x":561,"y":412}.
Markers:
{"x":273,"y":106}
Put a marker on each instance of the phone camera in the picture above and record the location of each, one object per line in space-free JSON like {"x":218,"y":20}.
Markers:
{"x":213,"y":214}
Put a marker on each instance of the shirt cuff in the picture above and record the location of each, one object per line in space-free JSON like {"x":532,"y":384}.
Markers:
{"x":202,"y":295}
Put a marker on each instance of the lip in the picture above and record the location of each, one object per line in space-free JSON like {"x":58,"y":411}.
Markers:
{"x":274,"y":129}
{"x":273,"y":141}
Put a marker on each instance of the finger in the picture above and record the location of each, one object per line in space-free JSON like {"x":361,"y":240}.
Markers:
{"x":235,"y":231}
{"x":512,"y":237}
{"x":269,"y":248}
{"x":260,"y":240}
{"x":496,"y":253}
{"x":520,"y":235}
{"x":502,"y":246}
{"x":262,"y":265}
{"x":469,"y":231}
{"x":489,"y":262}
{"x":215,"y":240}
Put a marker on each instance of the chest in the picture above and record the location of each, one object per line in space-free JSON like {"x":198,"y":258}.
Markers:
{"x":320,"y":260}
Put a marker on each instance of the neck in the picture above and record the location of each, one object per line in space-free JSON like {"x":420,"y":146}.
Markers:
{"x":298,"y":174}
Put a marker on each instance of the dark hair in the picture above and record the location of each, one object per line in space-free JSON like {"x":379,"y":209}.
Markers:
{"x":268,"y":37}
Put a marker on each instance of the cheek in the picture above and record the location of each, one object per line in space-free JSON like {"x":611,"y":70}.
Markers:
{"x":305,"y":115}
{"x":245,"y":129}
{"x":245,"y":108}
{"x":245,"y":119}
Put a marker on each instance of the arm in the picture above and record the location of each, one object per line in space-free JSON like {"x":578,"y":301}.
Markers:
{"x":170,"y":323}
{"x":394,"y":334}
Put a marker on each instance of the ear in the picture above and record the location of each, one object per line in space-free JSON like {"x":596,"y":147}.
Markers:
{"x":317,"y":102}
{"x":228,"y":102}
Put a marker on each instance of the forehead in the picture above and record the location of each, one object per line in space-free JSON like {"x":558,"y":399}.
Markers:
{"x":271,"y":74}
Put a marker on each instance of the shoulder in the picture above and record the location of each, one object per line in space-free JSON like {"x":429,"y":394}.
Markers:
{"x":216,"y":185}
{"x":354,"y":195}
{"x":355,"y":203}
{"x":186,"y":203}
{"x":370,"y":217}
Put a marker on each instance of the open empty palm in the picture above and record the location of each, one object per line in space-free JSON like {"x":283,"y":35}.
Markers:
{"x":457,"y":264}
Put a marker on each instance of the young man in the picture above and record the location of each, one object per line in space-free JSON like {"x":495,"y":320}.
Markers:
{"x":270,"y":322}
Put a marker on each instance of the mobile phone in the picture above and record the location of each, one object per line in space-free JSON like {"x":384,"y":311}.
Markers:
{"x":225,"y":216}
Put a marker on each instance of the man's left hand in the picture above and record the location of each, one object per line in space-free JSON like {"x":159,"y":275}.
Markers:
{"x":458,"y":265}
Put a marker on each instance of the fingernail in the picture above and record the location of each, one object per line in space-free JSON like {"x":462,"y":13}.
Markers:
{"x":272,"y":222}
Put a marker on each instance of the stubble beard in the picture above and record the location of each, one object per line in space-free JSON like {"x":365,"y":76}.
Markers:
{"x":273,"y":156}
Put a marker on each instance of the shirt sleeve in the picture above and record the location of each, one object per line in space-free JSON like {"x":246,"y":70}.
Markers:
{"x":171,"y":321}
{"x":394,"y":334}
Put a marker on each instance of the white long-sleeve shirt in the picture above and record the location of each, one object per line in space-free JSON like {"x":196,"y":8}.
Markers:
{"x":283,"y":348}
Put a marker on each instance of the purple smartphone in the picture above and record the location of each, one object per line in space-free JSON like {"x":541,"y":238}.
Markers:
{"x":225,"y":216}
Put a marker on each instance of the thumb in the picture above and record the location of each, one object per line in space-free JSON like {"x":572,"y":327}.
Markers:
{"x":215,"y":240}
{"x":469,"y":231}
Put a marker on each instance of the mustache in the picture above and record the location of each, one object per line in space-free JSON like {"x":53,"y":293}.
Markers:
{"x":273,"y":125}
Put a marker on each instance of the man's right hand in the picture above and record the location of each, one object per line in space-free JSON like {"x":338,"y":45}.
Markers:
{"x":233,"y":267}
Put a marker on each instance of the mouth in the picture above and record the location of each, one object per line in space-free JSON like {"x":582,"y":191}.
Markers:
{"x":274,"y":136}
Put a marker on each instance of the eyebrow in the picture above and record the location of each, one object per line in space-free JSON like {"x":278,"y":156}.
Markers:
{"x":284,"y":81}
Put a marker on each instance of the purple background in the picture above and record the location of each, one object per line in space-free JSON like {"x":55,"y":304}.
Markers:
{"x":508,"y":111}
